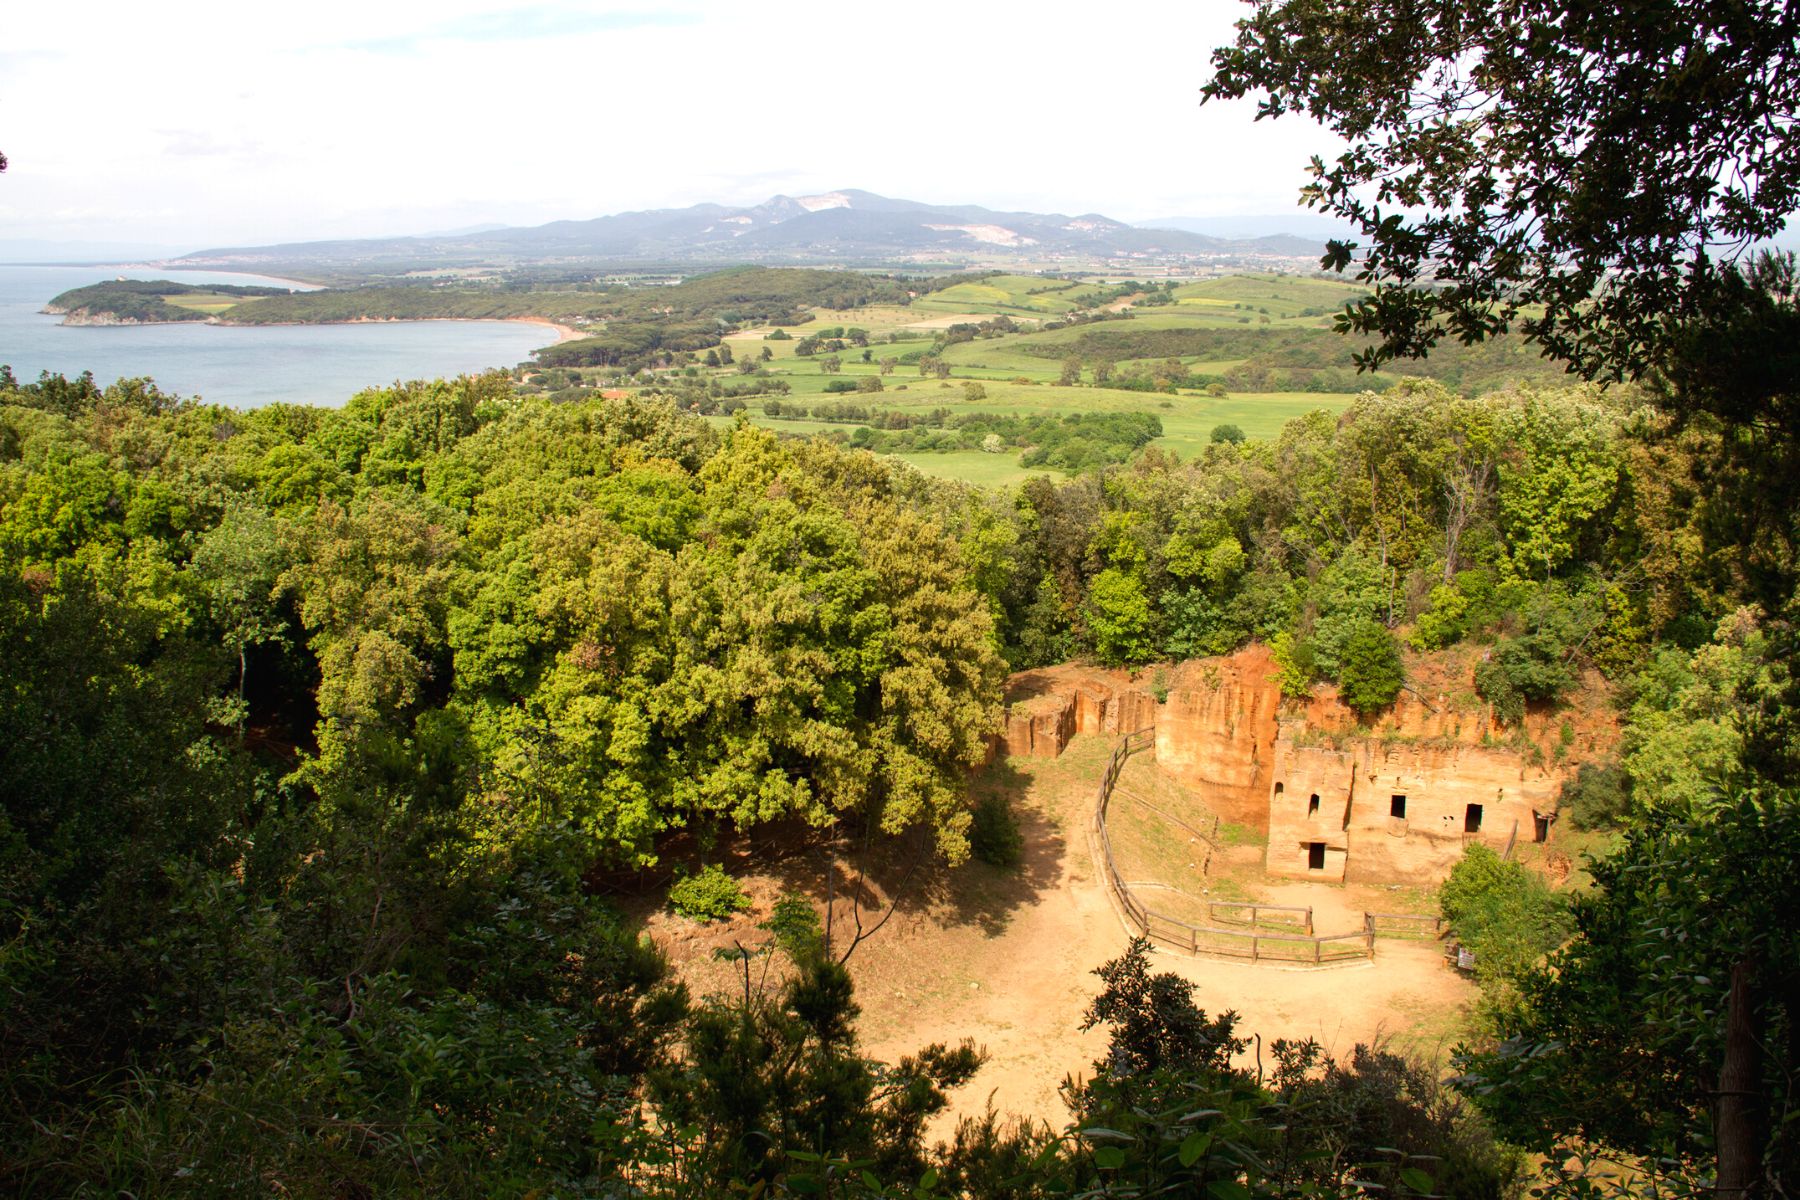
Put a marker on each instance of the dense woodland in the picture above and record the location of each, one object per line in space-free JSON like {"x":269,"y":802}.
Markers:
{"x":319,"y":719}
{"x":147,"y":300}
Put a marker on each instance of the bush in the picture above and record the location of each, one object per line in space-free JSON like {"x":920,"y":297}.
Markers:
{"x":1445,"y":622}
{"x":1599,"y":797}
{"x":1119,"y":618}
{"x":994,"y":838}
{"x":1296,"y":663}
{"x":1504,"y":913}
{"x":711,"y":895}
{"x":1523,"y":670}
{"x":1225,"y":433}
{"x":1370,"y":674}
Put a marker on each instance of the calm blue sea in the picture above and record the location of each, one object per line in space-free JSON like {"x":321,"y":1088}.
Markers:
{"x":242,"y":367}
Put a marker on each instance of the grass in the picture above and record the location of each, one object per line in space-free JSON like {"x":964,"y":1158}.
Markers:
{"x":1286,"y":297}
{"x":206,"y":302}
{"x":1018,"y":381}
{"x":972,"y":466}
{"x":1014,"y":295}
{"x":1188,"y":420}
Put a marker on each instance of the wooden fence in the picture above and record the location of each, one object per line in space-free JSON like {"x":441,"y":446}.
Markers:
{"x":1278,"y":915}
{"x":1252,"y":943}
{"x":1406,"y":924}
{"x":1209,"y":840}
{"x":1249,"y":939}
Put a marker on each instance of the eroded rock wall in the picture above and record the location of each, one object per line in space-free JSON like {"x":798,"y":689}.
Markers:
{"x":1373,"y":811}
{"x":1047,"y":707}
{"x":1216,"y":731}
{"x":1318,"y":783}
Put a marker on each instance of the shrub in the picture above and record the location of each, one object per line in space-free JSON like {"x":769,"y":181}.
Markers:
{"x":796,"y":927}
{"x":1445,"y":622}
{"x":994,"y":837}
{"x":1599,"y":797}
{"x":1119,"y":617}
{"x":1370,"y":673}
{"x":1506,"y":914}
{"x":1523,"y":670}
{"x":1225,"y":433}
{"x":1296,"y":665}
{"x":710,"y":895}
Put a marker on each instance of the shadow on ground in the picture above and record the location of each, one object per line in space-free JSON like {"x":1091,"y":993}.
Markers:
{"x":859,"y":876}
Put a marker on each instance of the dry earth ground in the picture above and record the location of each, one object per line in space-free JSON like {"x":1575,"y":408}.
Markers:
{"x":1005,"y":957}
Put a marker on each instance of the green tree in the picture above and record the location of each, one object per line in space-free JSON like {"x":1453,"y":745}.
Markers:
{"x":1370,"y":673}
{"x":1120,"y":618}
{"x":1577,"y":180}
{"x":238,"y":562}
{"x":1560,"y":474}
{"x":1506,"y":914}
{"x":1618,"y":1041}
{"x":1531,"y":669}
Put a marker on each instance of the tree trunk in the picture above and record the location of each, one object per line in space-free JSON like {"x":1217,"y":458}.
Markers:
{"x":1739,"y":1113}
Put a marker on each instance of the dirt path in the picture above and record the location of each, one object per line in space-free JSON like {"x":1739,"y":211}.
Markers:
{"x":1005,"y":958}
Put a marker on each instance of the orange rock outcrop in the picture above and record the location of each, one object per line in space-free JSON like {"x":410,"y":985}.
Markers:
{"x":1395,"y":802}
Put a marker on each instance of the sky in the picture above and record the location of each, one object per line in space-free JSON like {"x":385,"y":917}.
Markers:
{"x":214,"y":124}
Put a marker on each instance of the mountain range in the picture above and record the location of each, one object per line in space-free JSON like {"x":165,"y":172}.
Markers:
{"x":849,"y":226}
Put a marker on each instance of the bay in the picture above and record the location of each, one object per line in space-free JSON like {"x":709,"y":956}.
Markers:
{"x":242,"y":366}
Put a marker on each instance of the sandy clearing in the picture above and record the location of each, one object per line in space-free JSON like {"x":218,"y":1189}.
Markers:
{"x":1006,"y":958}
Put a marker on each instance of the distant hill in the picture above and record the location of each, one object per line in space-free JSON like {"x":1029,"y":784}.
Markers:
{"x":1290,"y":230}
{"x":849,"y":227}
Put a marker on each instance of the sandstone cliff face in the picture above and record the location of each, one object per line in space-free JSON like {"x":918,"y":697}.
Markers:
{"x":1047,"y":707}
{"x":1040,"y":726}
{"x":1216,"y":733}
{"x":1395,"y":812}
{"x":1394,"y":802}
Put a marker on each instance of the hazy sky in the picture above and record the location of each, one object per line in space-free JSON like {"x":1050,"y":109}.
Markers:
{"x":207,"y":124}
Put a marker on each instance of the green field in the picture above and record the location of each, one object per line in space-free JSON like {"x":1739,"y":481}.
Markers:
{"x":206,"y":302}
{"x":1188,"y":420}
{"x":1010,"y":295}
{"x":1285,"y":297}
{"x":1264,"y":332}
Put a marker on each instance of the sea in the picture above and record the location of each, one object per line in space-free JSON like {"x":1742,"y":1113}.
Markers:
{"x":242,"y":366}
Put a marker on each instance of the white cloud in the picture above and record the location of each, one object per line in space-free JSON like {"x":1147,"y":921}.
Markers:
{"x":249,"y":123}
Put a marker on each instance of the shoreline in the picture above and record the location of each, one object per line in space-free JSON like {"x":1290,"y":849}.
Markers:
{"x":294,"y":284}
{"x":564,"y":333}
